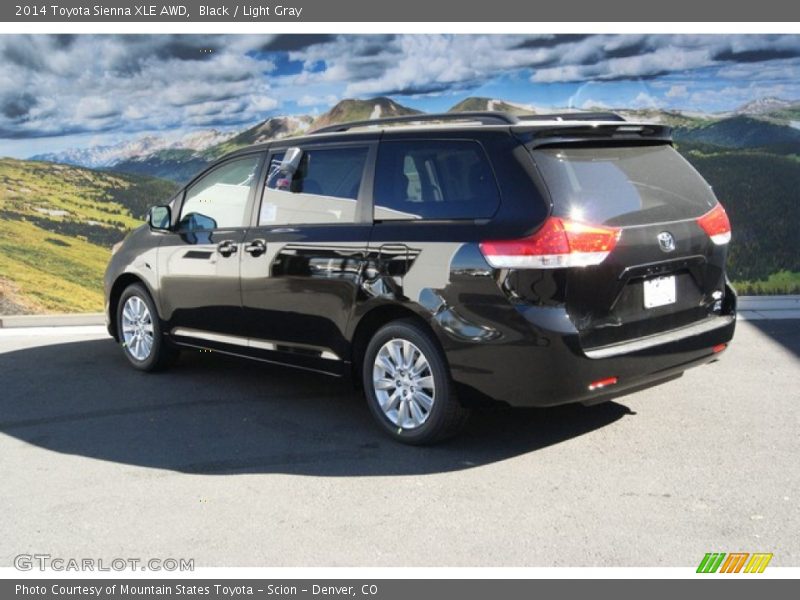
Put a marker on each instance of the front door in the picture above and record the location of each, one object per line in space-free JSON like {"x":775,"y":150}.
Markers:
{"x":198,"y":262}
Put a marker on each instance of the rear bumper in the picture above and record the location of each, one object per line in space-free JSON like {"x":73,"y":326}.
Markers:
{"x":660,"y":339}
{"x":538,"y":360}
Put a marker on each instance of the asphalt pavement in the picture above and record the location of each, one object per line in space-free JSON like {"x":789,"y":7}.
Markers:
{"x":236,"y":463}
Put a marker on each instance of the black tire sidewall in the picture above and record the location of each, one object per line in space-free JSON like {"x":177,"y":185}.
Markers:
{"x":153,"y":361}
{"x":428,"y":432}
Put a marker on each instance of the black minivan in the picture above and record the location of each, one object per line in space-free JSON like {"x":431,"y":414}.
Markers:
{"x":444,"y":261}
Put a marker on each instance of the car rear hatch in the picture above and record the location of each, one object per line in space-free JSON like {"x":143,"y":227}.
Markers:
{"x":664,"y":272}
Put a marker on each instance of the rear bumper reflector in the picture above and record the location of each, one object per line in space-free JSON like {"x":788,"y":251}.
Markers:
{"x":601,"y":383}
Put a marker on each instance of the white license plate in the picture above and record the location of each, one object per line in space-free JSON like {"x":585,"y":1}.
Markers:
{"x":659,"y":291}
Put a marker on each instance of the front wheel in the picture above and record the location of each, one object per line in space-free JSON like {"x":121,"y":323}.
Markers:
{"x":139,"y":330}
{"x":408,"y":385}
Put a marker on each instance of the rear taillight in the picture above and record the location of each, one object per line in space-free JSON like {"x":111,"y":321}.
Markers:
{"x":716,"y":224}
{"x":559,"y":243}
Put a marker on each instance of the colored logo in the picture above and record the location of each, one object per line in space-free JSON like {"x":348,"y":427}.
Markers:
{"x":735,"y":562}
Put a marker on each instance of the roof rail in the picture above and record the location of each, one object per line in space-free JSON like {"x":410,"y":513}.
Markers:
{"x":483,"y":117}
{"x":573,"y":116}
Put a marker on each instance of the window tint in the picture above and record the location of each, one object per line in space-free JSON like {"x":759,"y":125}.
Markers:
{"x":623,"y":185}
{"x":219,"y":198}
{"x":323,"y":190}
{"x":434,"y":180}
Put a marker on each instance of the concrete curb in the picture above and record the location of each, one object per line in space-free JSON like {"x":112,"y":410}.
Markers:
{"x":769,"y":303}
{"x":750,"y":308}
{"x":757,"y":308}
{"x":14,"y":321}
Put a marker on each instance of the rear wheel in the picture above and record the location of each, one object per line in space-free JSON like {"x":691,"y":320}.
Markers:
{"x":408,"y":385}
{"x":139,"y":330}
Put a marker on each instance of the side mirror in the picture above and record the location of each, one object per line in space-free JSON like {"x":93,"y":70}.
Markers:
{"x":291,"y":161}
{"x":159,"y":218}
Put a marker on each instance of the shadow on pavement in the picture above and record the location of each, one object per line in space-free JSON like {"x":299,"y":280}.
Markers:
{"x":212,"y":414}
{"x":784,"y":331}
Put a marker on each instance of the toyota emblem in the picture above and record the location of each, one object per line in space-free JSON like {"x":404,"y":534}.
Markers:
{"x":666,"y":241}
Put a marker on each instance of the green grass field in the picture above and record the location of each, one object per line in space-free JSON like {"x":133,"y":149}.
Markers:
{"x":57,"y":226}
{"x":782,"y":282}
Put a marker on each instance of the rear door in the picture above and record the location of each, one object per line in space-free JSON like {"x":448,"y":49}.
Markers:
{"x":665,"y":271}
{"x":303,"y":258}
{"x":428,"y":195}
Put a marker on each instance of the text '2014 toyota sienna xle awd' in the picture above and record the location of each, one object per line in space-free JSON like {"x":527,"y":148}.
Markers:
{"x":451,"y":261}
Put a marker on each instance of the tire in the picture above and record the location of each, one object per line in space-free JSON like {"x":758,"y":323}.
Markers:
{"x":415,"y":405}
{"x":144,"y":347}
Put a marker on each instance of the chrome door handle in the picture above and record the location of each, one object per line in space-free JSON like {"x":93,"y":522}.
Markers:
{"x":283,"y":230}
{"x":226,"y":248}
{"x":256,"y":247}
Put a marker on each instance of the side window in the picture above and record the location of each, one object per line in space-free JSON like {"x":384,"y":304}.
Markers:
{"x":219,"y":199}
{"x":323,"y":190}
{"x":436,"y":179}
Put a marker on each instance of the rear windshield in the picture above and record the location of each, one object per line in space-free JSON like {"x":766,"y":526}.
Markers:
{"x":623,"y":185}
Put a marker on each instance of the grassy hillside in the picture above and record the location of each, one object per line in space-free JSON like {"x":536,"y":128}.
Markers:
{"x":782,"y":282}
{"x":676,"y":119}
{"x":760,"y":192}
{"x":57,"y":226}
{"x":743,"y":132}
{"x":176,"y":165}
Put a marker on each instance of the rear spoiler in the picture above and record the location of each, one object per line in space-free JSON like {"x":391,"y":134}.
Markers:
{"x":581,"y":132}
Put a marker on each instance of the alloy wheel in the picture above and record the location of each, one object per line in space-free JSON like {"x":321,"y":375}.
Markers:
{"x":403,"y":383}
{"x":137,"y":328}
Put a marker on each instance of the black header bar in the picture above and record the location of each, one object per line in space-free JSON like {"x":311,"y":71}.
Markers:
{"x":465,"y":11}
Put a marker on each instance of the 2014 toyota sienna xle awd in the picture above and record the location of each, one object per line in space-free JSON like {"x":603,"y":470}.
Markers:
{"x":444,"y":263}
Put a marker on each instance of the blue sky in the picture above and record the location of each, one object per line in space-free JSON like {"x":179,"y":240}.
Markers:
{"x":67,"y":91}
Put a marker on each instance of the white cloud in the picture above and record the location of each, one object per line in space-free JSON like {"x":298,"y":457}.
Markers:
{"x":413,"y":64}
{"x":309,"y":100}
{"x":677,"y":91}
{"x":590,"y":104}
{"x":88,"y":83}
{"x":645,"y":100}
{"x":93,"y":84}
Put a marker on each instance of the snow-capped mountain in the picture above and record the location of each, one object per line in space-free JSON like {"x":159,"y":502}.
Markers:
{"x":106,"y":156}
{"x":181,"y":163}
{"x":763,"y":106}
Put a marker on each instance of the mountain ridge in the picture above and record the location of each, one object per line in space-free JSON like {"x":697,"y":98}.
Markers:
{"x":768,"y":122}
{"x":110,"y":154}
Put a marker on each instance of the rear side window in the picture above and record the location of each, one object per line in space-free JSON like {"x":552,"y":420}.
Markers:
{"x":437,"y":179}
{"x":633,"y":185}
{"x":323,"y":190}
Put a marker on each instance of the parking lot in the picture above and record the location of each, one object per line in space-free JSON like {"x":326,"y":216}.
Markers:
{"x":235,"y":463}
